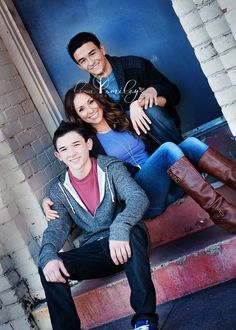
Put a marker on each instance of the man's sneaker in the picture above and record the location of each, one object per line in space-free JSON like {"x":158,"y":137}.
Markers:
{"x":145,"y":325}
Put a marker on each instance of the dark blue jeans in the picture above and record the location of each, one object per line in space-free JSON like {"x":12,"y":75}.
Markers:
{"x":93,"y":261}
{"x":163,"y":128}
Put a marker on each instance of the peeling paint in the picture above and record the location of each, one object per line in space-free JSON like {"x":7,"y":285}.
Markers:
{"x":213,"y":250}
{"x":181,"y":261}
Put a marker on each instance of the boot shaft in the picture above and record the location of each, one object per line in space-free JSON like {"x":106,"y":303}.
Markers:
{"x":221,"y":212}
{"x":192,"y":182}
{"x":218,"y":166}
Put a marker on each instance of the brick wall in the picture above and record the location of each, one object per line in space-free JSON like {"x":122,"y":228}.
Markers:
{"x":210,"y":26}
{"x":27,"y":167}
{"x":15,"y":298}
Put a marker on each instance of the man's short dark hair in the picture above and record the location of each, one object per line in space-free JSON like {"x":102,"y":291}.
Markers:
{"x":67,"y":127}
{"x":80,"y":39}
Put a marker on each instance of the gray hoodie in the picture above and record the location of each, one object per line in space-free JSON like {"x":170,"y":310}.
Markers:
{"x":122,"y":205}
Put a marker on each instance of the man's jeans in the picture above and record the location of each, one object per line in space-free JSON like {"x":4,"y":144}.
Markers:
{"x":93,"y":261}
{"x":153,"y":178}
{"x":163,"y":128}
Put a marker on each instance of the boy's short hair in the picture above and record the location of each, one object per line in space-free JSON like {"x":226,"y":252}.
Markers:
{"x":67,"y":127}
{"x":78,"y":40}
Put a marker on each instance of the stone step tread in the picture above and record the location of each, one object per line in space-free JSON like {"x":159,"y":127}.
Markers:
{"x":178,"y":268}
{"x":174,"y":261}
{"x":208,"y":241}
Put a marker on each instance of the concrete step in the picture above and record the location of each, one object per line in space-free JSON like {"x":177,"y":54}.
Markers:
{"x":180,"y":267}
{"x":182,"y":218}
{"x":201,"y":310}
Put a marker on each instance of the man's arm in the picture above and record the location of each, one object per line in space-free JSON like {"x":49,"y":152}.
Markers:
{"x":158,"y":90}
{"x":154,"y":78}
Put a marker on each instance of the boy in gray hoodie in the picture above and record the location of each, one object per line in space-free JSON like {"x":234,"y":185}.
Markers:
{"x":101,"y":198}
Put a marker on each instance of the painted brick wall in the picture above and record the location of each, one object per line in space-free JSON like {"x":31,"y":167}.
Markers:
{"x":210,"y":26}
{"x":27,"y":167}
{"x":15,"y":298}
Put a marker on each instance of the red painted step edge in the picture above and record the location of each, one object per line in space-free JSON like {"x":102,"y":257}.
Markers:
{"x":172,"y":280}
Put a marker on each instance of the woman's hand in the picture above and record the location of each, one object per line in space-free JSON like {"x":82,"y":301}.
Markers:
{"x":48,"y":211}
{"x":139,"y":119}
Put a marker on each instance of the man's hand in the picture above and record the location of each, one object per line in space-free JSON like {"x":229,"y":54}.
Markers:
{"x":120,"y":251}
{"x":55,"y":271}
{"x":161,"y":101}
{"x":148,"y":98}
{"x":139,"y":119}
{"x":46,"y":205}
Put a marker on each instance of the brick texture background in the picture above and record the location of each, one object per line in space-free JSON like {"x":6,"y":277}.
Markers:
{"x":27,"y":167}
{"x":210,"y":26}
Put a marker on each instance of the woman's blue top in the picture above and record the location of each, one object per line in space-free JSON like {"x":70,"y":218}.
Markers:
{"x":124,"y":146}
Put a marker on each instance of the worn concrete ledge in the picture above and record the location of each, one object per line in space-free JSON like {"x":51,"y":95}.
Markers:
{"x":187,"y":265}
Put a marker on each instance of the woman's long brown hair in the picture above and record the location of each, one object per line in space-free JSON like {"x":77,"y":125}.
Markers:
{"x":113,"y":113}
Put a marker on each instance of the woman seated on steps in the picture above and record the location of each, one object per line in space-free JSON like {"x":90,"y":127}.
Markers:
{"x":165,"y":175}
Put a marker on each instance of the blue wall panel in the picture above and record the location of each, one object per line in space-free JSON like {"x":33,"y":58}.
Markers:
{"x":146,"y":28}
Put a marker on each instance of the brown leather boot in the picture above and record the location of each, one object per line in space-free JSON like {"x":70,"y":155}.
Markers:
{"x":218,"y":166}
{"x":222,"y":213}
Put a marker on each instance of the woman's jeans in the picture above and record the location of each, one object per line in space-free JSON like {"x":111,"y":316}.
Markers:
{"x":153,"y":178}
{"x":93,"y":261}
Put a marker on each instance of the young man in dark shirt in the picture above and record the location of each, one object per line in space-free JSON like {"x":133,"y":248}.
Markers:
{"x":143,"y":91}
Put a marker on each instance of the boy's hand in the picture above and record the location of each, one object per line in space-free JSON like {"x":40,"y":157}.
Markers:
{"x":55,"y":271}
{"x":50,"y":214}
{"x":120,"y":251}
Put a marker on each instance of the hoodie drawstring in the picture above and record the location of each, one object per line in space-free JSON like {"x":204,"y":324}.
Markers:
{"x":109,"y":186}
